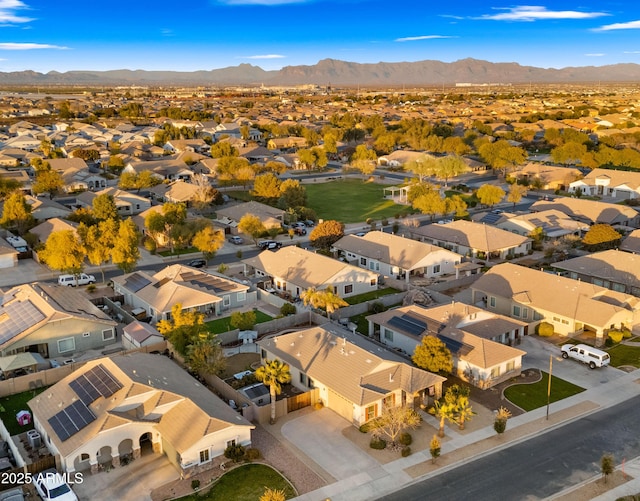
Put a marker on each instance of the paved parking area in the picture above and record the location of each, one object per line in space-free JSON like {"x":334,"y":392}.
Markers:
{"x":319,"y":436}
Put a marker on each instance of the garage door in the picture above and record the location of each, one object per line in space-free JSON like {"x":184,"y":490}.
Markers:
{"x":340,"y":405}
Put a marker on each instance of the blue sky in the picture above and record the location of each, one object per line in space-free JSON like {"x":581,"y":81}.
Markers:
{"x":46,"y":35}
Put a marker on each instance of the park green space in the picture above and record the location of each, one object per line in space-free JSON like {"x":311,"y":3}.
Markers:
{"x":245,"y":483}
{"x":534,"y":395}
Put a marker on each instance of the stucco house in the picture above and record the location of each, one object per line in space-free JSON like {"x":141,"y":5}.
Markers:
{"x":270,"y":216}
{"x":127,"y":203}
{"x":620,"y":184}
{"x":113,"y":410}
{"x":591,"y":211}
{"x":52,"y":320}
{"x":355,"y":377}
{"x":195,"y":290}
{"x":480,"y":341}
{"x":8,"y":254}
{"x":551,"y":177}
{"x":293,"y":270}
{"x":571,"y":306}
{"x":395,"y":256}
{"x":554,"y":223}
{"x":475,"y":240}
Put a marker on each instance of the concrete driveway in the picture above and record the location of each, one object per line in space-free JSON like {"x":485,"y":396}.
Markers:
{"x":538,"y":353}
{"x":133,"y":482}
{"x":319,"y":436}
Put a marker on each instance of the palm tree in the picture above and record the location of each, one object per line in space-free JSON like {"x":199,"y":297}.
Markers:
{"x":444,"y":411}
{"x":273,"y":374}
{"x":332,"y":301}
{"x":463,"y":411}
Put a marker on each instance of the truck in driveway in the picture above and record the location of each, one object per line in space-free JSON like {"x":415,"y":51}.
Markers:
{"x":584,"y":353}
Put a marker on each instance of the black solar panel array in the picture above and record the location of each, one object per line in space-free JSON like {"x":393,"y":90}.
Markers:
{"x":71,"y":420}
{"x":135,"y":282}
{"x":95,"y":383}
{"x":409,"y":324}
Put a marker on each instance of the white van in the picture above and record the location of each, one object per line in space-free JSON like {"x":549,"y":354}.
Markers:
{"x":593,"y":357}
{"x":74,"y":280}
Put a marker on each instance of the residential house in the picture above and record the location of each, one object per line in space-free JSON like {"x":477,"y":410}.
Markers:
{"x":619,"y":184}
{"x":76,"y":174}
{"x":591,"y":211}
{"x":571,"y":306}
{"x":286,"y":143}
{"x":8,"y":254}
{"x":195,"y":290}
{"x":43,"y":208}
{"x":475,"y":240}
{"x":114,"y":410}
{"x":138,"y":334}
{"x":176,"y":192}
{"x":355,"y":377}
{"x":395,"y":256}
{"x":127,"y":203}
{"x":52,"y":320}
{"x":292,"y":270}
{"x":168,"y":169}
{"x":480,"y":341}
{"x":631,"y":243}
{"x":46,"y":228}
{"x":554,"y":224}
{"x":400,"y":157}
{"x":186,"y":145}
{"x":551,"y":177}
{"x":612,"y":269}
{"x":270,"y":216}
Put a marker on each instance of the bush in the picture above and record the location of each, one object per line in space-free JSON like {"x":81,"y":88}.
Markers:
{"x":406,"y":451}
{"x":364,"y":428}
{"x":195,"y":484}
{"x":626,"y":333}
{"x":406,"y":438}
{"x":500,"y":425}
{"x":377,"y":443}
{"x":252,"y":454}
{"x":235,"y":452}
{"x":615,"y":336}
{"x":91,"y":288}
{"x":318,"y":405}
{"x":376,"y":307}
{"x":544,"y":329}
{"x":149,"y":244}
{"x":287,"y":309}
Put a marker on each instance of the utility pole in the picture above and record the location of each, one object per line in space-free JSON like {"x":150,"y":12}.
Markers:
{"x":549,"y":386}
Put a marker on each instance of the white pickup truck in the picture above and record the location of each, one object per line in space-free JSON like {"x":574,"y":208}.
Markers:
{"x":593,"y":357}
{"x":75,"y":280}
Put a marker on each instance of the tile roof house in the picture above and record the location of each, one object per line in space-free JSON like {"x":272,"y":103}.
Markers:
{"x":270,"y":216}
{"x":552,"y":177}
{"x":294,"y":270}
{"x":76,"y":175}
{"x":612,"y":269}
{"x":43,"y":208}
{"x":631,"y":243}
{"x":571,"y":306}
{"x":392,"y":255}
{"x":475,"y":240}
{"x":127,"y":203}
{"x":51,"y":320}
{"x":176,"y":192}
{"x":355,"y":377}
{"x":168,"y":169}
{"x":113,"y":410}
{"x":554,"y":223}
{"x":591,"y":211}
{"x":618,"y":184}
{"x":194,"y":289}
{"x":46,"y":228}
{"x":8,"y":254}
{"x":479,"y":341}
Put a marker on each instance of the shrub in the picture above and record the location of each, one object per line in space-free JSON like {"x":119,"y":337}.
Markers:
{"x":369,"y":220}
{"x":318,"y":405}
{"x":405,"y":438}
{"x":406,"y":451}
{"x":91,"y":288}
{"x":544,"y":329}
{"x":615,"y":336}
{"x":195,"y":484}
{"x":235,"y":452}
{"x":500,"y":425}
{"x":385,"y":222}
{"x":377,"y":443}
{"x":626,"y":333}
{"x":287,"y":309}
{"x":376,"y":307}
{"x":252,"y":454}
{"x":364,"y":428}
{"x":149,"y":244}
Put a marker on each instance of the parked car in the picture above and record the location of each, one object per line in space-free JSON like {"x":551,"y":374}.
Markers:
{"x":236,"y":240}
{"x":13,"y":495}
{"x":309,"y":224}
{"x":75,"y":280}
{"x":593,"y":357}
{"x":52,"y":486}
{"x":197,"y":263}
{"x":269,"y":244}
{"x":300,"y":230}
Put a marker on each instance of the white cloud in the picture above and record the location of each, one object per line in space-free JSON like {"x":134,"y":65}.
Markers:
{"x":423,"y":37}
{"x":631,"y":25}
{"x":265,"y":56}
{"x":8,"y":10}
{"x":28,"y":46}
{"x":631,"y":52}
{"x":595,"y":54}
{"x":536,"y":13}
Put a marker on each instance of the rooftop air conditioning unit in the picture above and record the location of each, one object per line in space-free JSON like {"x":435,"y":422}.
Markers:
{"x":35,"y":440}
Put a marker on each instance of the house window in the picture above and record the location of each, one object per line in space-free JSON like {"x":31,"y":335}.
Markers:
{"x":204,"y":456}
{"x":303,"y":379}
{"x":68,"y":344}
{"x":348,"y":289}
{"x":226,"y":300}
{"x":374,"y":265}
{"x":388,"y":335}
{"x":363,"y":261}
{"x":436,"y":268}
{"x":495,"y":372}
{"x":390,"y":400}
{"x":231,"y":443}
{"x":310,"y":383}
{"x":84,"y":457}
{"x":108,"y":335}
{"x":525,"y":313}
{"x":492,"y":301}
{"x":374,"y":282}
{"x":242,"y":296}
{"x":263,"y":354}
{"x":516,"y":310}
{"x":618,"y":287}
{"x":511,"y":366}
{"x":370,"y":412}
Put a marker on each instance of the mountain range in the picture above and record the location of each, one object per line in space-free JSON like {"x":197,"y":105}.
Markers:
{"x":340,"y":73}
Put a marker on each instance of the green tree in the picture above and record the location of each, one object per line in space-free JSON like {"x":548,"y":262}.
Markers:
{"x":98,"y":241}
{"x":601,"y":237}
{"x":430,"y":203}
{"x":104,"y":207}
{"x":606,"y":466}
{"x":8,"y":186}
{"x":393,"y":421}
{"x":500,"y":421}
{"x":450,"y":166}
{"x":163,"y":224}
{"x":364,"y":159}
{"x":433,"y":355}
{"x":223,"y":149}
{"x":205,"y":356}
{"x":63,"y":251}
{"x":184,"y":329}
{"x":208,"y":240}
{"x":126,"y":253}
{"x":326,"y":234}
{"x":16,"y":213}
{"x":139,"y":181}
{"x":47,"y":181}
{"x":422,"y":167}
{"x":251,"y":225}
{"x":266,"y":187}
{"x":243,"y":321}
{"x":489,"y":194}
{"x":292,"y":194}
{"x":516,"y":192}
{"x":274,"y":373}
{"x":569,"y":153}
{"x":501,"y":155}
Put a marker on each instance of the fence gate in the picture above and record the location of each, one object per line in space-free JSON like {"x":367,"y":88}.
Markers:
{"x":298,"y":401}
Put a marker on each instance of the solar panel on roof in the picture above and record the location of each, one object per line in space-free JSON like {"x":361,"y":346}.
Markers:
{"x":95,"y":383}
{"x":85,"y":391}
{"x":135,"y":282}
{"x":59,"y":427}
{"x":408,"y":324}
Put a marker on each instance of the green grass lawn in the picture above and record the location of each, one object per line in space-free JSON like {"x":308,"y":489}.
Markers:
{"x":622,"y":354}
{"x":368,"y":296}
{"x":13,"y":404}
{"x":351,"y":201}
{"x":224,"y":324}
{"x":245,"y":483}
{"x":533,"y":396}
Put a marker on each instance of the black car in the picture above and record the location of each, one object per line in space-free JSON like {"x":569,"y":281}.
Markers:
{"x":197,"y":263}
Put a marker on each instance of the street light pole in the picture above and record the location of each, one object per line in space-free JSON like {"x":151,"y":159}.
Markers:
{"x":549,"y":385}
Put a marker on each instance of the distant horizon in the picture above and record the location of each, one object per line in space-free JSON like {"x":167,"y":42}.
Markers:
{"x":158,"y":35}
